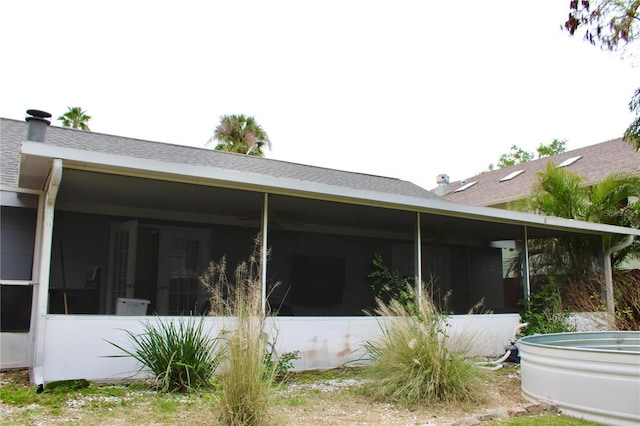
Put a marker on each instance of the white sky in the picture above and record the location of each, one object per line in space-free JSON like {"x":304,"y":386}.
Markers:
{"x":406,"y":89}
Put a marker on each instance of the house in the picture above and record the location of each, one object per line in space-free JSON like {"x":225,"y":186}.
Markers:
{"x":98,"y":227}
{"x":499,"y":187}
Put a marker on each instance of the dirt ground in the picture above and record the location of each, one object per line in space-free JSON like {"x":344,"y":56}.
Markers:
{"x":329,"y":400}
{"x":334,"y":404}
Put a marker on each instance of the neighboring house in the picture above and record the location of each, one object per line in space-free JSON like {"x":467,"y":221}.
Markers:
{"x":498,"y":187}
{"x":98,"y":227}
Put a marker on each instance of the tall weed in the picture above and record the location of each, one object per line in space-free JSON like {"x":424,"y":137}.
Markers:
{"x":414,"y":360}
{"x":587,"y":296}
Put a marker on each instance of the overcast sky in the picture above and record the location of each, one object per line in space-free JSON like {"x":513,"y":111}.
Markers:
{"x":406,"y":89}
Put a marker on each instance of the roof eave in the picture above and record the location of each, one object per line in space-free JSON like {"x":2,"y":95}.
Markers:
{"x":178,"y":172}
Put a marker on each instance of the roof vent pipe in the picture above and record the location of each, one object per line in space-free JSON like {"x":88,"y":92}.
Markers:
{"x":443,"y":187}
{"x":37,"y":125}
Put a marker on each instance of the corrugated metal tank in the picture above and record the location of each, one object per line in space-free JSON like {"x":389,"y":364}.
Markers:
{"x":589,"y":375}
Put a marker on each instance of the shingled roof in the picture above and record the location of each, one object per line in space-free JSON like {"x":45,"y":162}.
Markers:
{"x":13,"y":133}
{"x":593,"y":163}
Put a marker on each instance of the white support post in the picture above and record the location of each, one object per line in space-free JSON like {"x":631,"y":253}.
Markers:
{"x":263,"y":251}
{"x":35,"y":274}
{"x":418,"y":259}
{"x":608,"y":273}
{"x":525,"y":264}
{"x":608,"y":284}
{"x":44,"y":266}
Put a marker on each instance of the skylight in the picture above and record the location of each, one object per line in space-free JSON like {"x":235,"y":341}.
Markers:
{"x":466,"y":186}
{"x":569,"y":161}
{"x":511,"y":175}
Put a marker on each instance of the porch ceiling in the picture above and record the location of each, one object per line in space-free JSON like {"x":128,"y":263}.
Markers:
{"x":139,"y":197}
{"x":86,"y":191}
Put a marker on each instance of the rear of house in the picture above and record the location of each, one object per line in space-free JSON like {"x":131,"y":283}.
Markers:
{"x":99,"y":232}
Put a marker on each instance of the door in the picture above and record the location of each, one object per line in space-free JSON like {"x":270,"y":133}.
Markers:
{"x":183,"y":258}
{"x":121,"y":273}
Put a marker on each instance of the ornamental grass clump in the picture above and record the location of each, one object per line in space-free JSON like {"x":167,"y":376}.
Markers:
{"x":414,"y":361}
{"x":244,"y":380}
{"x":180,"y":354}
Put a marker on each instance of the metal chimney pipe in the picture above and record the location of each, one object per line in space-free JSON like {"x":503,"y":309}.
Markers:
{"x":443,"y":187}
{"x":37,"y":125}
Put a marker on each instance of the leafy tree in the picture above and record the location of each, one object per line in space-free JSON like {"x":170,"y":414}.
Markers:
{"x":240,"y":134}
{"x":75,"y":118}
{"x":632,"y":135}
{"x":556,"y":146}
{"x":563,"y":194}
{"x":516,"y":156}
{"x":519,"y":155}
{"x":612,"y":24}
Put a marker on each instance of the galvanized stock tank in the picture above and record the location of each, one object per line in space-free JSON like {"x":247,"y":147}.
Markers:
{"x":589,"y":375}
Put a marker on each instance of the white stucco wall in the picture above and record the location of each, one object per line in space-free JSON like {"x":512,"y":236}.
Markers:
{"x":591,"y":321}
{"x":14,"y":350}
{"x":76,"y":346}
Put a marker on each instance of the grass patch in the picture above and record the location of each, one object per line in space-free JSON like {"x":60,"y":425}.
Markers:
{"x":341,"y":373}
{"x":295,"y":401}
{"x":18,"y":395}
{"x":302,"y":400}
{"x":66,"y":386}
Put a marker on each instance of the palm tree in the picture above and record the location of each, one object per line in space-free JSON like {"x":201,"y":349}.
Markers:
{"x":240,"y":134}
{"x":75,"y":118}
{"x":561,"y":193}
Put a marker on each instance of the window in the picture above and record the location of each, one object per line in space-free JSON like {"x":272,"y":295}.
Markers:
{"x":466,"y":186}
{"x":511,"y":175}
{"x":569,"y":161}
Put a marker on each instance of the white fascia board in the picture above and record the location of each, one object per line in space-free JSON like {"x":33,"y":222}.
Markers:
{"x":492,"y":214}
{"x":212,"y":176}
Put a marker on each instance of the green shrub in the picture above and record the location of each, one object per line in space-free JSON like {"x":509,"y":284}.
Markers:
{"x":388,"y":285}
{"x":544,"y":312}
{"x":279,"y":365}
{"x":181,"y":356}
{"x":415,"y":362}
